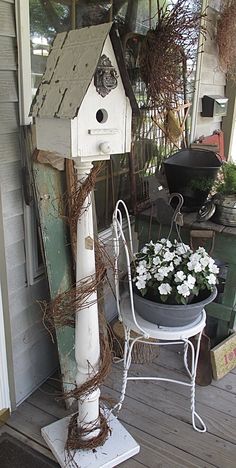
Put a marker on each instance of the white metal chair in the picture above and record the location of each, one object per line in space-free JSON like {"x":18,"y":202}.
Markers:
{"x":122,"y":239}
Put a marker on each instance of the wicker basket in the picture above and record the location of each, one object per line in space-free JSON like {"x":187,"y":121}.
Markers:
{"x":143,"y":353}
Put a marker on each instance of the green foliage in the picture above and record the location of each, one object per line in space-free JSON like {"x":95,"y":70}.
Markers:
{"x":204,"y":184}
{"x":43,"y":20}
{"x":227,"y":184}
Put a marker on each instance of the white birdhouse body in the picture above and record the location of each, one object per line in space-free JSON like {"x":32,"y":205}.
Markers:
{"x":90,"y":120}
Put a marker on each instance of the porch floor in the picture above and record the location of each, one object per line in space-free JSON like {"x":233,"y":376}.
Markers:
{"x":157,"y":414}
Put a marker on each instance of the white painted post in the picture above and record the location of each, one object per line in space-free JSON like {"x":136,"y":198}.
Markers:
{"x":87,"y":347}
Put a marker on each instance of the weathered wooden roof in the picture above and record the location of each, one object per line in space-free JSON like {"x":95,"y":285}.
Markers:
{"x":70,"y":68}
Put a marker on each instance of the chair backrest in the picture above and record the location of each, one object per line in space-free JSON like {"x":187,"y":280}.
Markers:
{"x":123,"y":243}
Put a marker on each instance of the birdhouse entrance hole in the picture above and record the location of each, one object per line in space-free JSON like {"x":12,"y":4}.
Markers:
{"x":101,"y":115}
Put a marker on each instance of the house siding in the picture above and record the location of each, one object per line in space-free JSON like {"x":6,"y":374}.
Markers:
{"x":33,"y":354}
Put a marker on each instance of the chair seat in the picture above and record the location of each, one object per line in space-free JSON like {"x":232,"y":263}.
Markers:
{"x":151,"y":330}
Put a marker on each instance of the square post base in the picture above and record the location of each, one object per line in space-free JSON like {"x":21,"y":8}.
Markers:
{"x":119,"y":446}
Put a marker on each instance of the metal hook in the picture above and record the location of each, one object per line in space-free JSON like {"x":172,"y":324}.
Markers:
{"x":177,"y":212}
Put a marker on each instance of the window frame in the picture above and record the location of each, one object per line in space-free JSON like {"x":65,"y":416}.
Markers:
{"x":34,"y":271}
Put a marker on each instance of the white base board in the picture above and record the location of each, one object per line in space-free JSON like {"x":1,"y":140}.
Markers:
{"x":118,"y":447}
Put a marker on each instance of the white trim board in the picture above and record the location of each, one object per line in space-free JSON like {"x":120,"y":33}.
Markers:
{"x":4,"y":380}
{"x":24,"y":60}
{"x":4,"y":385}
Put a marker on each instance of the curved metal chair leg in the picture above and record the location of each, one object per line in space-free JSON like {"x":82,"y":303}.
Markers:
{"x":186,"y":346}
{"x":193,"y":371}
{"x":127,"y":363}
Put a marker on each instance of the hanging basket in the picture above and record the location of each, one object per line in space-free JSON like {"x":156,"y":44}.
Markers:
{"x":166,"y":315}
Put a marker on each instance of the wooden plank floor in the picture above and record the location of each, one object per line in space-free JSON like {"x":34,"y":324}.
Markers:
{"x":157,"y":414}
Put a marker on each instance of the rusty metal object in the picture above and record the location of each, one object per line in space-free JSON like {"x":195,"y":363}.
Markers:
{"x":106,"y":77}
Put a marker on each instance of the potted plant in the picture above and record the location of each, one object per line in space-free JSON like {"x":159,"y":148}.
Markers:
{"x":172,"y":284}
{"x":225,"y":198}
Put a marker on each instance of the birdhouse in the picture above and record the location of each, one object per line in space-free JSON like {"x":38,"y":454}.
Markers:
{"x":83,"y":106}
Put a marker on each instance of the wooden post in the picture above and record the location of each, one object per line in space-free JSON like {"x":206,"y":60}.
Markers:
{"x":87,"y":347}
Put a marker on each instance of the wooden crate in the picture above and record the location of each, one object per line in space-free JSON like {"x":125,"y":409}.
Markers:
{"x":223,"y":357}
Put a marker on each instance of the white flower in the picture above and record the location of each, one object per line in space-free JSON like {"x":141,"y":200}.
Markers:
{"x":190,"y":281}
{"x":204,"y":261}
{"x":195,"y":257}
{"x":157,"y":248}
{"x":144,"y":250}
{"x":197,"y":267}
{"x":180,"y":277}
{"x":159,"y":276}
{"x":156,"y":261}
{"x":168,"y":256}
{"x":201,"y":250}
{"x":170,"y":267}
{"x":164,"y":289}
{"x":213,"y":268}
{"x":141,"y":269}
{"x":182,"y":249}
{"x":190,"y":266}
{"x":140,"y":284}
{"x":168,"y":244}
{"x":183,"y":290}
{"x":194,"y":264}
{"x":211,"y":279}
{"x":163,"y":271}
{"x":177,"y":261}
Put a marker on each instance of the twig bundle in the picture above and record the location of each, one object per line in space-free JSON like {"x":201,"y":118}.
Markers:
{"x":167,"y":48}
{"x":76,"y":199}
{"x":61,"y":311}
{"x":77,"y":436}
{"x":226,"y":37}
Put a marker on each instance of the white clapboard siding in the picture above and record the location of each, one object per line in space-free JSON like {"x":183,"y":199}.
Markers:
{"x":35,"y":370}
{"x":7,"y":21}
{"x":9,"y":119}
{"x":7,"y":53}
{"x":16,"y":278}
{"x":15,"y":254}
{"x":10,"y":176}
{"x":33,"y":352}
{"x":31,"y":317}
{"x":13,"y":230}
{"x":12,"y":203}
{"x":9,"y":148}
{"x":8,"y":86}
{"x":22,"y":299}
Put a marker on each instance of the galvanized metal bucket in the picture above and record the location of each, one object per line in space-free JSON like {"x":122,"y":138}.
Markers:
{"x":226,"y":210}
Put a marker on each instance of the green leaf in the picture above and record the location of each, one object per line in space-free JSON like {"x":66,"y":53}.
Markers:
{"x":164,"y":297}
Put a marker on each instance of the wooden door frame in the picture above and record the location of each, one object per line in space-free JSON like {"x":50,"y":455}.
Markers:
{"x":229,"y":121}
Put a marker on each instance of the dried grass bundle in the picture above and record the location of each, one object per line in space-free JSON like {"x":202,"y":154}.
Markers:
{"x":226,"y":37}
{"x":76,"y":199}
{"x":167,"y":48}
{"x":61,"y":311}
{"x":77,"y":437}
{"x":97,"y":378}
